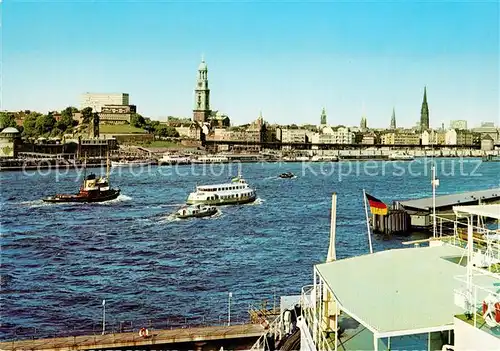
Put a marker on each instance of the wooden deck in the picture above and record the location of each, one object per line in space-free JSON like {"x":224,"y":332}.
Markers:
{"x":123,"y":340}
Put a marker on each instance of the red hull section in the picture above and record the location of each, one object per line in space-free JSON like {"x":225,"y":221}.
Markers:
{"x":86,"y":196}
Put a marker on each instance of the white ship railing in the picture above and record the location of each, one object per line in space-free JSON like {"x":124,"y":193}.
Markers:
{"x":486,"y":248}
{"x":310,"y":312}
{"x":471,"y":300}
{"x":274,"y":329}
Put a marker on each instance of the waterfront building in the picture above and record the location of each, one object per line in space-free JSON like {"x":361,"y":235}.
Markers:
{"x":219,"y":119}
{"x":98,"y":100}
{"x":221,"y":134}
{"x":433,"y":137}
{"x":369,"y":138}
{"x":190,"y":131}
{"x":488,"y":128}
{"x":116,"y":114}
{"x":387,"y":138}
{"x":323,"y":117}
{"x":201,"y":110}
{"x":458,"y":124}
{"x":400,"y":138}
{"x":9,"y":141}
{"x":286,"y":135}
{"x":330,"y":135}
{"x":459,"y":137}
{"x":393,"y":119}
{"x":424,"y":113}
{"x":255,"y":132}
{"x":487,"y":143}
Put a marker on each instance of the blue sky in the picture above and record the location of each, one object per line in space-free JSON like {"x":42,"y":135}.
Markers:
{"x":288,"y":59}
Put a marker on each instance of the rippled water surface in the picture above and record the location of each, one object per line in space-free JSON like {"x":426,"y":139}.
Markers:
{"x":60,"y":261}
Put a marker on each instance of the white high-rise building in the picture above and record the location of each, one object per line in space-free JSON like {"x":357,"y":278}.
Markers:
{"x":458,"y":124}
{"x":98,"y":100}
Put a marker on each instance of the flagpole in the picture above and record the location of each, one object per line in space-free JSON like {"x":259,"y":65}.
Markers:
{"x":367,"y":223}
{"x":103,"y":317}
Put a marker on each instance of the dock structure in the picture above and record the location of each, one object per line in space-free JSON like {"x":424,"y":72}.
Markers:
{"x":394,"y":222}
{"x":196,"y":336}
{"x":420,"y":210}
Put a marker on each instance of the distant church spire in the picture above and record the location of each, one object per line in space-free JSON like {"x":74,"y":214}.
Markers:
{"x":323,"y":117}
{"x":393,"y":119}
{"x":363,"y":125}
{"x":424,"y":113}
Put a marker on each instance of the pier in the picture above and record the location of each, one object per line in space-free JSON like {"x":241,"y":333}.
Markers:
{"x":406,"y":215}
{"x":191,"y":338}
{"x":420,"y":210}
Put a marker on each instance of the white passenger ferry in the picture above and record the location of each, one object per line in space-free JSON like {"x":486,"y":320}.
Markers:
{"x":169,"y":159}
{"x":212,"y":159}
{"x":133,"y":163}
{"x":235,"y":193}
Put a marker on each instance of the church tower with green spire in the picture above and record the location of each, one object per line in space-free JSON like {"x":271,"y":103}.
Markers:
{"x":201,"y":110}
{"x":393,"y":119}
{"x":323,"y":117}
{"x":424,"y":113}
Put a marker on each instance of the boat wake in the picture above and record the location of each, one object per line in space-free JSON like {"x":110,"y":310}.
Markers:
{"x":171,"y":217}
{"x":216,"y":215}
{"x":120,"y":198}
{"x":34,"y":203}
{"x":168,"y":218}
{"x":171,"y":205}
{"x":257,"y":201}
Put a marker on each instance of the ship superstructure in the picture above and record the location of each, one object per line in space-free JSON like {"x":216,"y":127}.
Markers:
{"x":444,"y":296}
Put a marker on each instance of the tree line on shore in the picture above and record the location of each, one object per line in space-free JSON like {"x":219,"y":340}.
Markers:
{"x":36,"y":124}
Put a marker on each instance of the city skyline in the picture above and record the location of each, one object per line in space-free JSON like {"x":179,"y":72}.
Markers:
{"x":340,"y":57}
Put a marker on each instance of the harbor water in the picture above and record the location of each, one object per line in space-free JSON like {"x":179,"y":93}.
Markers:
{"x":60,"y":261}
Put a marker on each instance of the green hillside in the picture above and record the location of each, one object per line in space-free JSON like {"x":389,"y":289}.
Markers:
{"x":119,"y":129}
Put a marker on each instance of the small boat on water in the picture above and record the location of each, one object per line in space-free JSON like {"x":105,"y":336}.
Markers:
{"x":93,"y":189}
{"x":212,"y":159}
{"x":196,"y":211}
{"x":490,"y":158}
{"x":317,"y":158}
{"x":235,"y":193}
{"x":398,"y":156}
{"x":169,"y":159}
{"x":286,"y":175}
{"x":133,"y":163}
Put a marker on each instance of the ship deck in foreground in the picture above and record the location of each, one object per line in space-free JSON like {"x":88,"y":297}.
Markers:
{"x":442,"y":297}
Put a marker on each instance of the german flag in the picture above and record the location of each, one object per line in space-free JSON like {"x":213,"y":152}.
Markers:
{"x":376,"y":206}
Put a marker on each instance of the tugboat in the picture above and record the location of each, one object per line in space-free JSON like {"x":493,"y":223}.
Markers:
{"x":286,"y":175}
{"x":196,"y":211}
{"x":93,"y":189}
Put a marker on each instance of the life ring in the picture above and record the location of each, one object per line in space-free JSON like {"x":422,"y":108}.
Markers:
{"x":264,"y":323}
{"x":497,"y":312}
{"x":491,"y":311}
{"x":143,"y":332}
